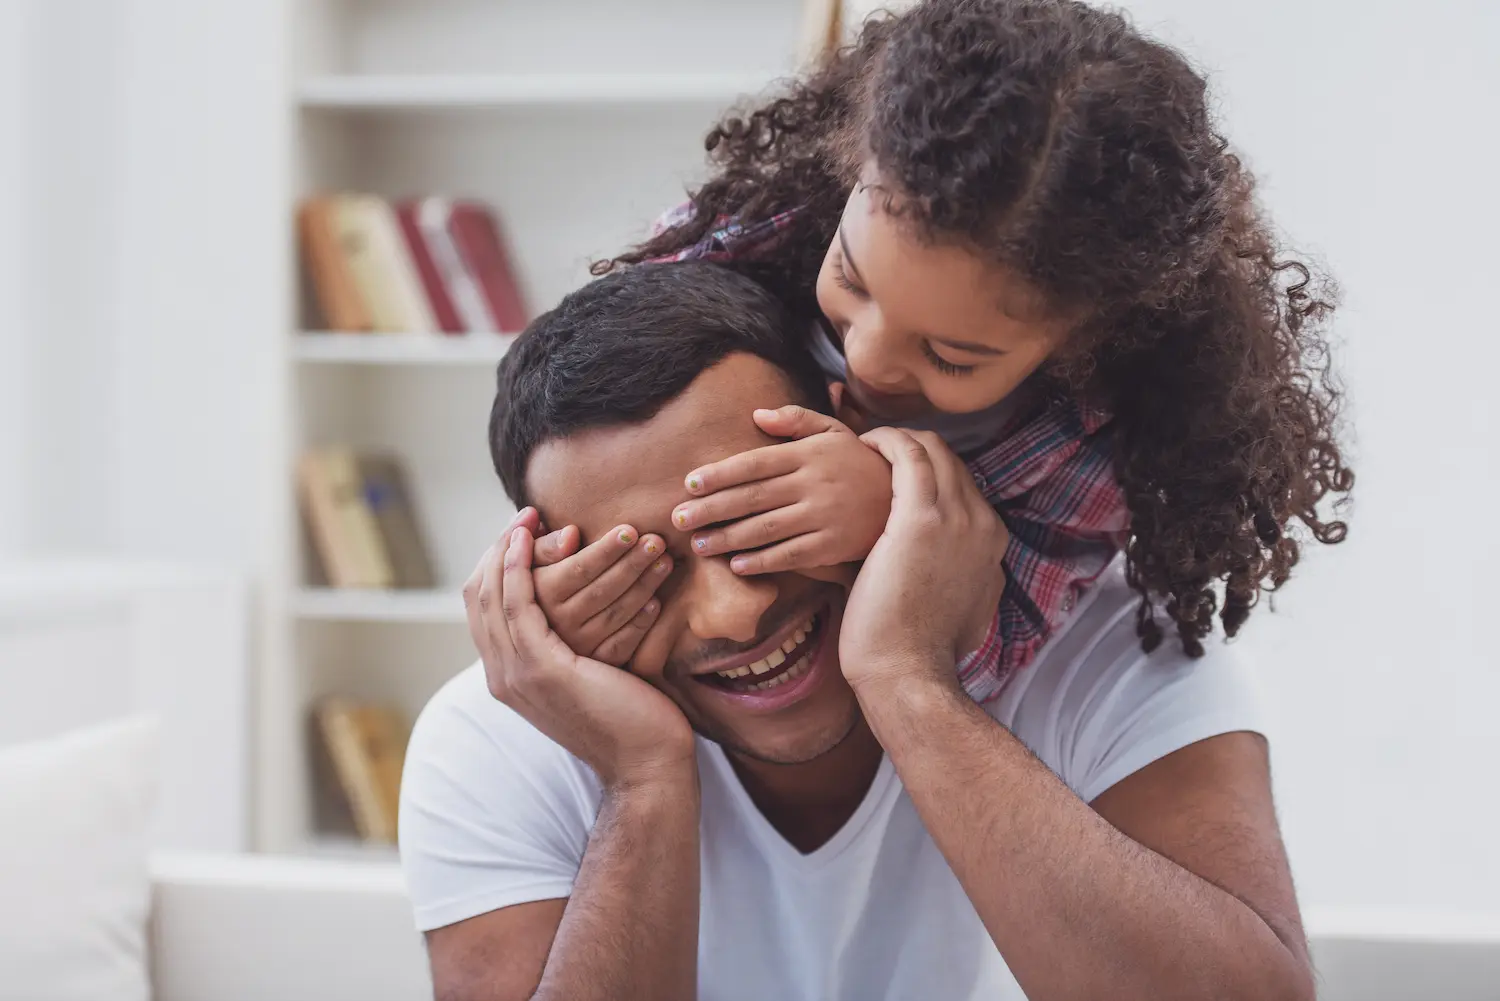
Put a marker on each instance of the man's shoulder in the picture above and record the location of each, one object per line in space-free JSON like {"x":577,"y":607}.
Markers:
{"x":1094,"y":701}
{"x":463,"y":727}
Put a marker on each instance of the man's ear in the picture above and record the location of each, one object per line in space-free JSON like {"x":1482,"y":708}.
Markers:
{"x":844,"y":410}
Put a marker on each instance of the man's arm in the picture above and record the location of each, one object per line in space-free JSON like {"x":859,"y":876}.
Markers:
{"x":629,"y":930}
{"x":1188,"y":897}
{"x":630,"y":927}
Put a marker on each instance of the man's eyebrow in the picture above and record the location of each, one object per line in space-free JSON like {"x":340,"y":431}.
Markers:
{"x":849,"y":264}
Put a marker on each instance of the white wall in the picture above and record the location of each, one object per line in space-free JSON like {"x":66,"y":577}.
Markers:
{"x":1372,"y":128}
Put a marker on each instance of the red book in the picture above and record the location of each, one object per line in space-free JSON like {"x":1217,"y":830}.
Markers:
{"x":432,"y":281}
{"x":476,"y":233}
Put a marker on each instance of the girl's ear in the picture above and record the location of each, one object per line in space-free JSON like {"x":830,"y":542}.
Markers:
{"x":844,"y":409}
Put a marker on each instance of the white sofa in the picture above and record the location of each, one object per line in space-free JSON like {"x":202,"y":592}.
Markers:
{"x":256,"y":928}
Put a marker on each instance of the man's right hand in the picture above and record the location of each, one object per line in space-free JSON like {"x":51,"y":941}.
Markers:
{"x":626,"y":731}
{"x":598,"y":600}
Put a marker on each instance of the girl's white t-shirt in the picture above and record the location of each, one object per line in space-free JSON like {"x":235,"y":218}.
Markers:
{"x":494,"y":814}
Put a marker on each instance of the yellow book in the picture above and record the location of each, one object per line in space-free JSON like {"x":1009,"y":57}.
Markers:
{"x":367,"y":746}
{"x":359,"y":524}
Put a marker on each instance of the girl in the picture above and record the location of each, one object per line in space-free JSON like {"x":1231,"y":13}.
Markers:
{"x":1013,"y":222}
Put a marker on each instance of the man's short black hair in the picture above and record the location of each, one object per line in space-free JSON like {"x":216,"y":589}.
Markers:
{"x":620,"y":348}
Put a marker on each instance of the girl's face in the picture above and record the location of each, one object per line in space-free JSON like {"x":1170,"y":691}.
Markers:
{"x":926,"y":328}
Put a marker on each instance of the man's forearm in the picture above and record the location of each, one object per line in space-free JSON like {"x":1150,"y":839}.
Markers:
{"x":630,"y":928}
{"x":1077,"y":909}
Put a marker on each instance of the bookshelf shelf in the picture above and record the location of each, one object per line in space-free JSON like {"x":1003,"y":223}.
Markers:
{"x":335,"y":348}
{"x":323,"y":604}
{"x":368,"y":92}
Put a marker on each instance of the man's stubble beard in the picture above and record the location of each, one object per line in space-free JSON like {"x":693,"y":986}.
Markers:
{"x":730,"y":744}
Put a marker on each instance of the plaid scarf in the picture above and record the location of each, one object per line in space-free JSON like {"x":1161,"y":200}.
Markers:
{"x":1049,"y":475}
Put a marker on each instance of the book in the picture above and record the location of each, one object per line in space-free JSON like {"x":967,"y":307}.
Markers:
{"x":822,"y":30}
{"x":434,"y":215}
{"x":434,"y":286}
{"x":383,"y":271}
{"x":338,"y":560}
{"x":481,"y":245}
{"x":342,"y":469}
{"x":385,"y":491}
{"x":327,"y":268}
{"x":346,"y":537}
{"x":366,"y":745}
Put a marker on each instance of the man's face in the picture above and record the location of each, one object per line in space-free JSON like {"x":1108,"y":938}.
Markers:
{"x":777,"y":635}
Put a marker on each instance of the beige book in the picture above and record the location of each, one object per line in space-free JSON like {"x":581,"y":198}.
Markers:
{"x":334,"y":548}
{"x":367,"y":746}
{"x":363,"y":531}
{"x":376,"y":252}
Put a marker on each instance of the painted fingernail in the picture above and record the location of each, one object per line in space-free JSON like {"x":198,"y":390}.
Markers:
{"x":700,"y":543}
{"x":652,"y":547}
{"x":661,"y":565}
{"x":680,"y":516}
{"x":651,"y":607}
{"x":739,"y":564}
{"x":694,"y":482}
{"x":627,"y":536}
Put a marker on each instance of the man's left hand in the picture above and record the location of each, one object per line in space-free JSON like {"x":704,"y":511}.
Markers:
{"x":928,"y":591}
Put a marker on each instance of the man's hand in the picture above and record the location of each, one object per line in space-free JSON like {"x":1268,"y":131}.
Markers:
{"x":613,"y":721}
{"x":818,"y":500}
{"x":929,"y":588}
{"x":598,"y":600}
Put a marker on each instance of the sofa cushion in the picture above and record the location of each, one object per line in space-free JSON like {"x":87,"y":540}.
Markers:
{"x":73,"y":848}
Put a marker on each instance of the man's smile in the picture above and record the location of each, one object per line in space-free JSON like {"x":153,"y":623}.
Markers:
{"x":783,"y":669}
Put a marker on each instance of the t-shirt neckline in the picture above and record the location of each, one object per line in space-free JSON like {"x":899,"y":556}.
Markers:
{"x":766,"y":834}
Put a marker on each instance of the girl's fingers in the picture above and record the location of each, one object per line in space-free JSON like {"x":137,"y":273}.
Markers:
{"x":794,"y":554}
{"x":735,"y":502}
{"x":617,"y":580}
{"x":585,"y":566}
{"x":753,"y":532}
{"x":746,"y":467}
{"x":623,"y":643}
{"x":794,"y":421}
{"x":556,"y":546}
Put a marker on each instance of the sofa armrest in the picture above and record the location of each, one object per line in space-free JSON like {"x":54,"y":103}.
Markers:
{"x":252,"y":927}
{"x":1367,"y":955}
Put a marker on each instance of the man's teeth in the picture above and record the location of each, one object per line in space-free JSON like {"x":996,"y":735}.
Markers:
{"x":773,"y":660}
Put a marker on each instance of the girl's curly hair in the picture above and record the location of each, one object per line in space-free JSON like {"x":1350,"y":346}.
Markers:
{"x":1062,"y":144}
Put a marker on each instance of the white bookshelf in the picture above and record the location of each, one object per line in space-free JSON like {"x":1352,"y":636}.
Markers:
{"x":323,"y":604}
{"x":368,"y":92}
{"x":329,"y":348}
{"x":579,"y":120}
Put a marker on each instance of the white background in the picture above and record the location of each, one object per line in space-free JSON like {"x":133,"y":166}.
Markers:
{"x":142,"y":181}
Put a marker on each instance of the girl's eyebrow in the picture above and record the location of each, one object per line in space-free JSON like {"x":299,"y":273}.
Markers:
{"x":973,"y":347}
{"x":849,"y":264}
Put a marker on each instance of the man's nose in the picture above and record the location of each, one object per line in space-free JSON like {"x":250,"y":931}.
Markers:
{"x":723,"y":605}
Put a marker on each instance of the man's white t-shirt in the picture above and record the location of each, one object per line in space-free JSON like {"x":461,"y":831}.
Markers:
{"x":494,"y":814}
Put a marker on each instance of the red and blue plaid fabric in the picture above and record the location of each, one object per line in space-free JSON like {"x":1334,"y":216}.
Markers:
{"x":1050,"y":476}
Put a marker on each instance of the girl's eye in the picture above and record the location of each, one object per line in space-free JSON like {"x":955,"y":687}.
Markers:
{"x":943,"y":365}
{"x":842,"y":280}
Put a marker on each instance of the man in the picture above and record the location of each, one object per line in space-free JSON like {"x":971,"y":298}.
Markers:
{"x":787,"y":794}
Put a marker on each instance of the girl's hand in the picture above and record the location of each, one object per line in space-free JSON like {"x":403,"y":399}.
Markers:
{"x":600,"y":600}
{"x":816,"y":501}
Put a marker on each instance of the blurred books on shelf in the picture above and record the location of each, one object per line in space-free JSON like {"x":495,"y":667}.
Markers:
{"x":423,"y":265}
{"x":358,"y":751}
{"x":361,"y":522}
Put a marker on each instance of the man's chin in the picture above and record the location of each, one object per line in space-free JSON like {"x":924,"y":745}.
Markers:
{"x":785,"y":750}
